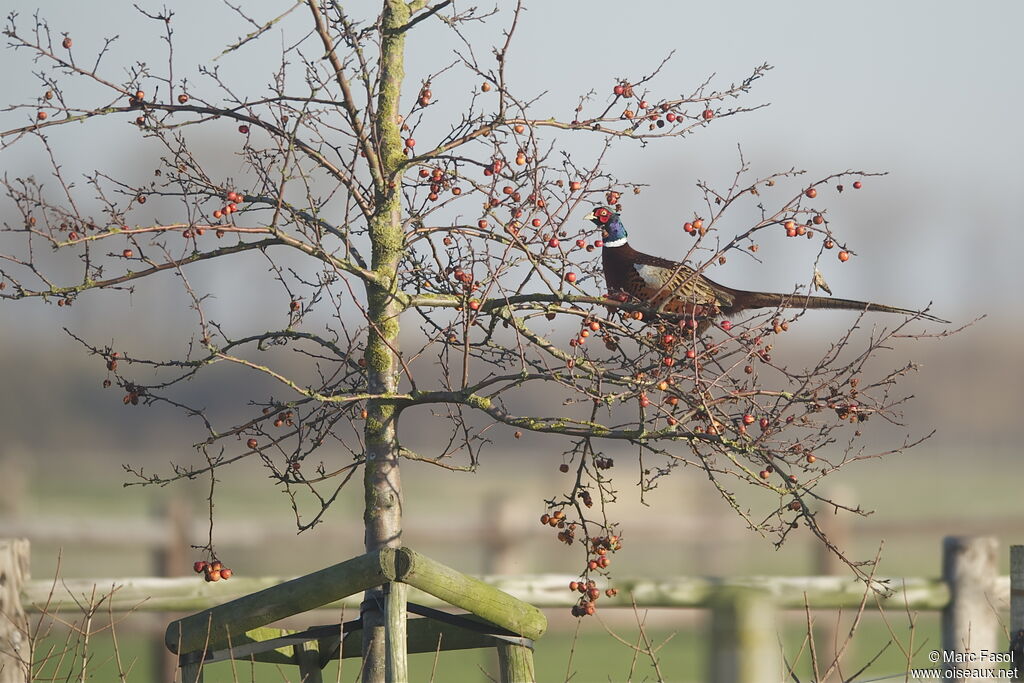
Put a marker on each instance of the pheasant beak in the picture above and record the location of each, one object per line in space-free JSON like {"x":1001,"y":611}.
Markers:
{"x":590,"y":217}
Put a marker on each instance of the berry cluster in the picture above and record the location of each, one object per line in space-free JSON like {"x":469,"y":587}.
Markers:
{"x":653,"y":112}
{"x":229,"y":208}
{"x":600,"y":548}
{"x":212,"y":571}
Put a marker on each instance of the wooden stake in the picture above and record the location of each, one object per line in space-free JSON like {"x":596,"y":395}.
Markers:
{"x":14,"y":634}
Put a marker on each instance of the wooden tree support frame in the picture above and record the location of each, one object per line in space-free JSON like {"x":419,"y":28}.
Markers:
{"x":237,"y":629}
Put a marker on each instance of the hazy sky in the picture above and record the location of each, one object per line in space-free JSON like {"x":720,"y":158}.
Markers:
{"x":928,"y":91}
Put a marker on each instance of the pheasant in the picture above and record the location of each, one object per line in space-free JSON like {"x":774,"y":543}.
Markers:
{"x":677,"y":289}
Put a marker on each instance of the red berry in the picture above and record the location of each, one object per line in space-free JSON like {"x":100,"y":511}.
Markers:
{"x":811,"y":192}
{"x":536,"y":222}
{"x":67,"y":42}
{"x":575,"y":185}
{"x":251,"y":443}
{"x":182,"y":98}
{"x":570,"y":278}
{"x":42,"y":115}
{"x":553,"y":242}
{"x":748,"y":419}
{"x":482,"y":224}
{"x":410,"y":142}
{"x":726,"y":325}
{"x":691,"y":354}
{"x":670,"y":117}
{"x":857,"y":184}
{"x":764,"y":474}
{"x":763,"y":423}
{"x":619,"y":89}
{"x":127,"y":253}
{"x":708,"y":114}
{"x":563,"y":468}
{"x":844,"y":256}
{"x":199,"y":566}
{"x":226,"y":573}
{"x":243,"y":129}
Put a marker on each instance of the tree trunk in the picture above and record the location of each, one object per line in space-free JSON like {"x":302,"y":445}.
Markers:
{"x":382,"y":484}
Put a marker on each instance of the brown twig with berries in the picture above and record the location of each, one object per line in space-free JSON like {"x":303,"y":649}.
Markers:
{"x":368,"y":221}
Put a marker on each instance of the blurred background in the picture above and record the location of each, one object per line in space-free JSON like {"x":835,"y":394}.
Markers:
{"x":928,"y":92}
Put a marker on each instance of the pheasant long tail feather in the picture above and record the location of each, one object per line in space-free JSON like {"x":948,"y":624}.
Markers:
{"x":745,"y":300}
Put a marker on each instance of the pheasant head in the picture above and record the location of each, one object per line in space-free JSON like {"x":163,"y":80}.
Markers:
{"x":613,"y":232}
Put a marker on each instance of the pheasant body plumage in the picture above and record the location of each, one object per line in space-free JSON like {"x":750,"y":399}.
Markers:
{"x":677,"y":289}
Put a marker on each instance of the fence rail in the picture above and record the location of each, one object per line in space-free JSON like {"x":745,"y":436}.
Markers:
{"x":970,"y":594}
{"x":146,"y":594}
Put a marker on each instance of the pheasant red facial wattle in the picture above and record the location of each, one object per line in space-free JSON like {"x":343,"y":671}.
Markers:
{"x":677,"y":289}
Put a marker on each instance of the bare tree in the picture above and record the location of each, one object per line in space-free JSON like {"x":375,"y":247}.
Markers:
{"x":379,"y":205}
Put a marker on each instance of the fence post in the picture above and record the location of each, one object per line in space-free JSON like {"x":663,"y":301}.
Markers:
{"x":14,"y":644}
{"x":970,"y":622}
{"x":1017,"y":607}
{"x":744,"y":640}
{"x":835,"y":524}
{"x":170,"y":559}
{"x":515,"y":663}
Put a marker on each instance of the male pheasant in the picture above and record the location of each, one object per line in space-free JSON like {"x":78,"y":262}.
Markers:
{"x":677,"y":289}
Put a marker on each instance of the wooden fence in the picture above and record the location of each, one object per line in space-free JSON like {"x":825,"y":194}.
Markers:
{"x":970,"y":594}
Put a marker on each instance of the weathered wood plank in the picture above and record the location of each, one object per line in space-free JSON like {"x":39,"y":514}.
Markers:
{"x":14,"y":635}
{"x":308,"y":659}
{"x":542,"y":590}
{"x":969,"y":622}
{"x":1017,"y":606}
{"x":744,"y":639}
{"x":515,"y":663}
{"x":396,"y":606}
{"x":214,"y":628}
{"x":472,"y":595}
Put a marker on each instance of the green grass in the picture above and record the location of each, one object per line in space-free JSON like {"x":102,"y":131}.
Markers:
{"x":563,"y":655}
{"x":918,"y":485}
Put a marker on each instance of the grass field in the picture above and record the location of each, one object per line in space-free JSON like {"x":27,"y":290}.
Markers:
{"x":895,"y":489}
{"x":590,"y":656}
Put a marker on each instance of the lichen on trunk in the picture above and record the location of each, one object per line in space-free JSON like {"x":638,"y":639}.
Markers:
{"x":382,"y":481}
